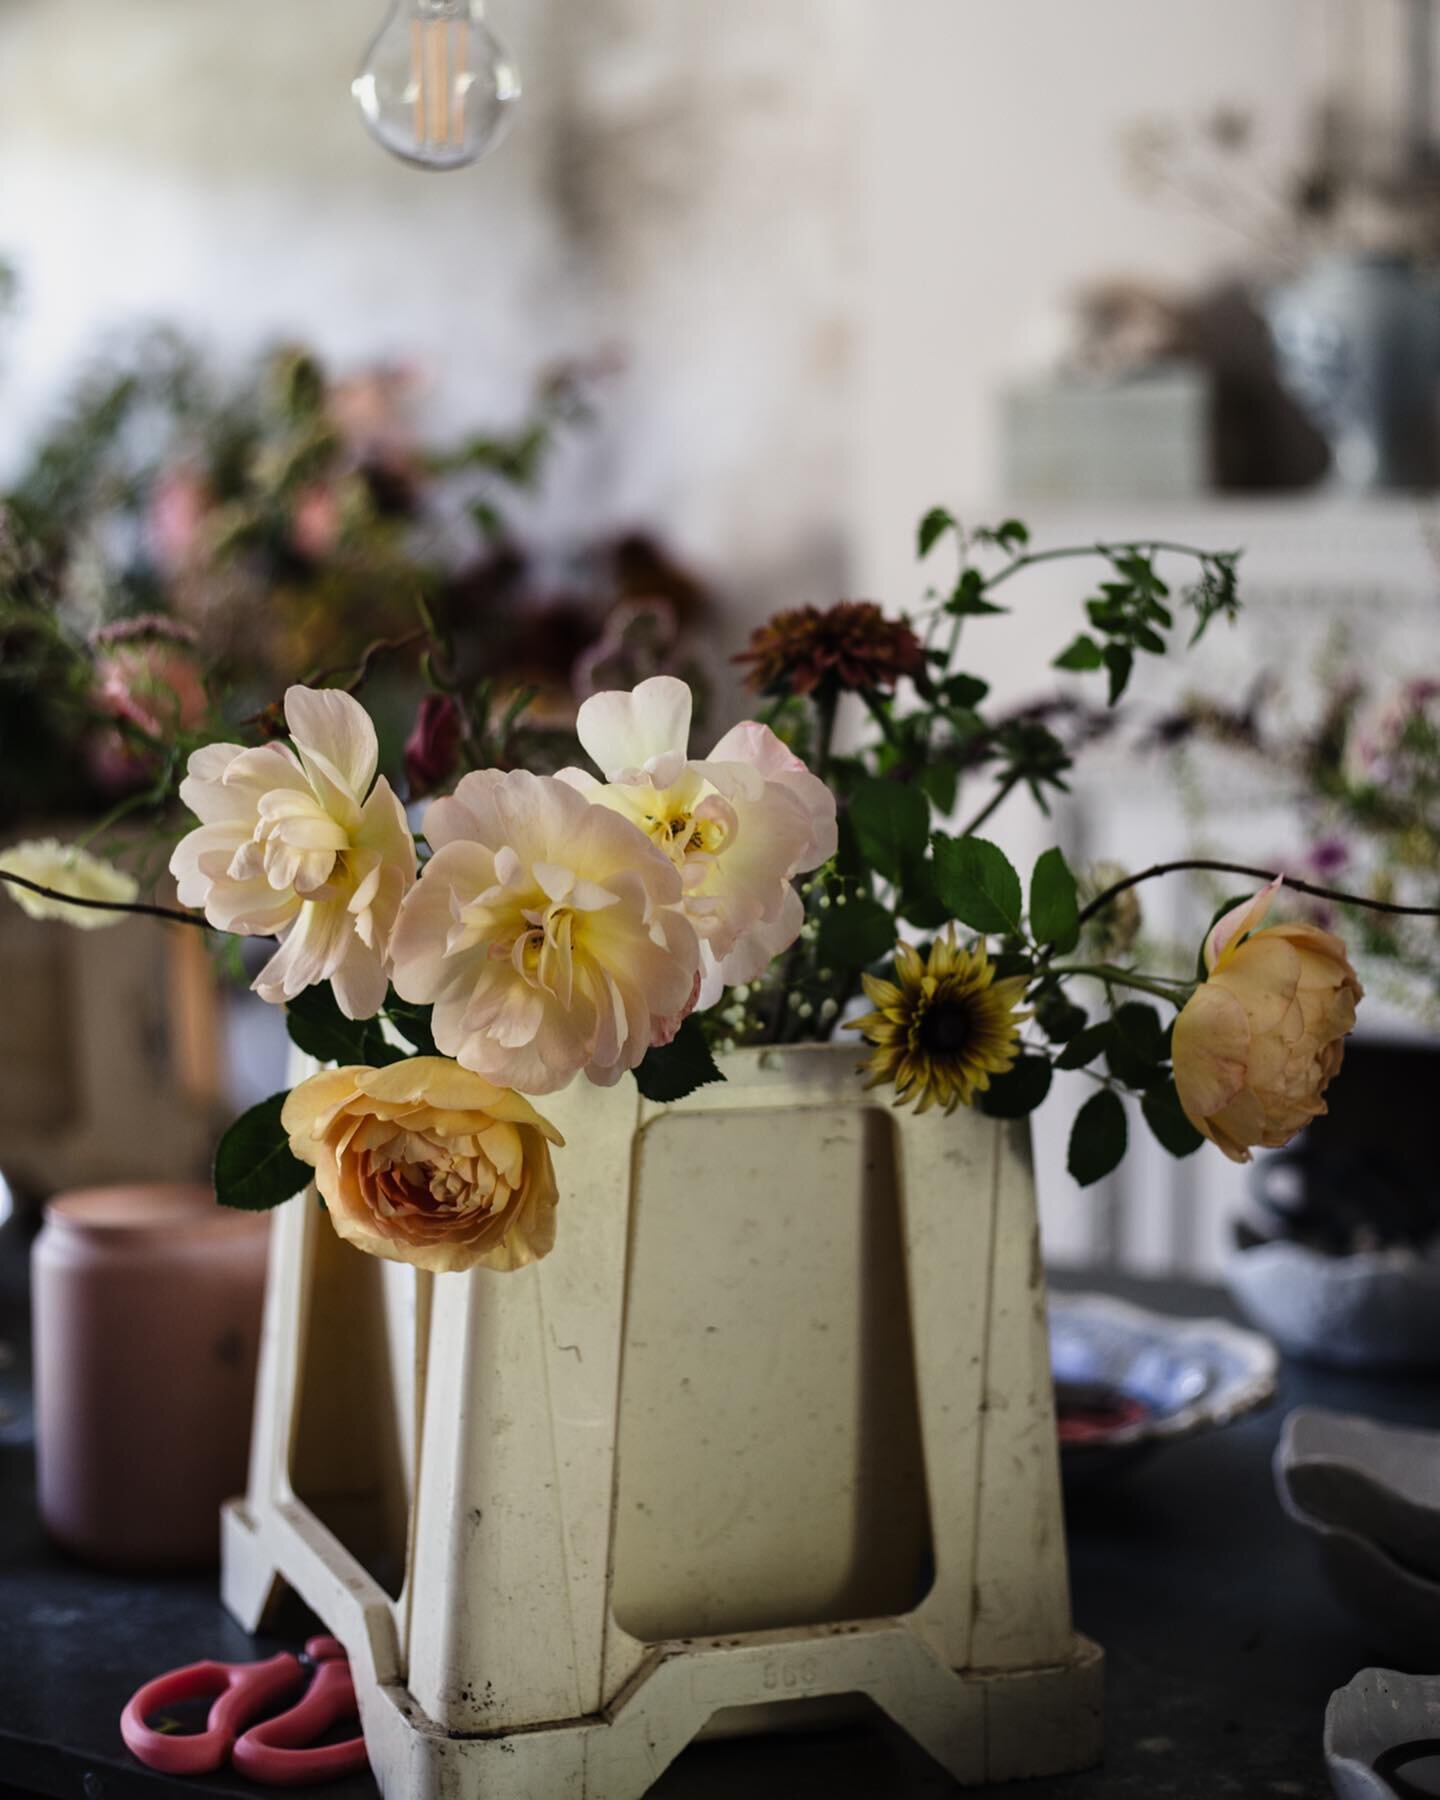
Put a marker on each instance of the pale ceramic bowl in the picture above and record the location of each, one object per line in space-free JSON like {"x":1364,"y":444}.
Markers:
{"x":1380,"y":1729}
{"x":1374,"y":1310}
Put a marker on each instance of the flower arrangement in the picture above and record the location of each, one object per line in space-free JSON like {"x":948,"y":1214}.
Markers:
{"x":181,"y":543}
{"x":1362,"y":779}
{"x":633,"y":917}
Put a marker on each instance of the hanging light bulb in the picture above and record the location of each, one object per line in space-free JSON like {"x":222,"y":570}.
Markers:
{"x":437,"y":88}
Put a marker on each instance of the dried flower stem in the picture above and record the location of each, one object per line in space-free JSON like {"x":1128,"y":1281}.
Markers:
{"x":116,"y":906}
{"x":1101,"y":901}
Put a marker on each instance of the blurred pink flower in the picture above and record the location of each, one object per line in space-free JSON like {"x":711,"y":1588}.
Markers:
{"x":315,"y":522}
{"x":177,"y":511}
{"x":371,"y":411}
{"x":147,"y":672}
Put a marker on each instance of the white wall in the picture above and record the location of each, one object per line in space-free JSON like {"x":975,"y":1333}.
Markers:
{"x":995,"y":185}
{"x":679,"y":185}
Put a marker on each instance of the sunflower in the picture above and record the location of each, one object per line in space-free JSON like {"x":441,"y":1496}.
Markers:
{"x":945,"y":1029}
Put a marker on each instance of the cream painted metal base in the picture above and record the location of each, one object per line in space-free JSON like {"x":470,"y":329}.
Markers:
{"x":773,"y":1423}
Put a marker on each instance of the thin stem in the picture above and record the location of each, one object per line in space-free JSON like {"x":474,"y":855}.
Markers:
{"x":115,"y":906}
{"x":1158,"y":985}
{"x":1153,"y":545}
{"x":1101,"y":901}
{"x":359,"y":672}
{"x":887,"y":725}
{"x":996,"y":800}
{"x":827,"y":706}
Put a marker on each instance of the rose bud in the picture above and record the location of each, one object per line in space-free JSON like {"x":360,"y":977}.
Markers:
{"x":432,"y":751}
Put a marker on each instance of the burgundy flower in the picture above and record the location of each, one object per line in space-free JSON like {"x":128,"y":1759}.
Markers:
{"x":432,"y":751}
{"x":852,"y":646}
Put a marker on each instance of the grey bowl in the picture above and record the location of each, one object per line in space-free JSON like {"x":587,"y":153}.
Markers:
{"x":1401,"y":1607}
{"x":1189,"y":1375}
{"x":1381,"y":1481}
{"x":1375,"y":1310}
{"x":1382,"y":1736}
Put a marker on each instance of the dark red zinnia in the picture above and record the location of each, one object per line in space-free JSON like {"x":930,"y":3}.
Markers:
{"x":851,"y":646}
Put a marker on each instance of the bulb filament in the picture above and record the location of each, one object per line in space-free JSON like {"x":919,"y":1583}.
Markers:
{"x":440,"y":80}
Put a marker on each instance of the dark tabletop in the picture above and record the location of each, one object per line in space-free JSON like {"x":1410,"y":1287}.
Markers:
{"x":1222,"y":1640}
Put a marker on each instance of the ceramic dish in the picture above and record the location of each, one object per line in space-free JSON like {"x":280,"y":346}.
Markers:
{"x":1128,"y":1380}
{"x":1401,"y":1607}
{"x":1375,"y":1310}
{"x":1382,"y":1736}
{"x":1381,"y":1481}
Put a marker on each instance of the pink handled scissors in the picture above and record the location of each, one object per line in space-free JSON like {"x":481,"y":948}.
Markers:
{"x":282,"y":1751}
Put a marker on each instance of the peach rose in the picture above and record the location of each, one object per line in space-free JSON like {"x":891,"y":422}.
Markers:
{"x":1260,"y":1040}
{"x":423,"y":1162}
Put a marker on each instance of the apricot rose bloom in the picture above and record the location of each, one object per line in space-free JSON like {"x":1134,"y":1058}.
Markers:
{"x":1260,"y":1040}
{"x":546,"y":933}
{"x":298,"y":844}
{"x":738,"y":826}
{"x":425,"y":1163}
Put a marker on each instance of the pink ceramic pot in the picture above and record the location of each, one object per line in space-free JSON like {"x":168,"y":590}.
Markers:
{"x":147,"y":1330}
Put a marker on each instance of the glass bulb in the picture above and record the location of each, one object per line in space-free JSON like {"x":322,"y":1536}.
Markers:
{"x":437,"y":88}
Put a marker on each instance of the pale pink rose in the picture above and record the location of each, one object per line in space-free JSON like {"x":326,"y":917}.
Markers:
{"x":303,"y":844}
{"x":739,"y":826}
{"x":546,"y":933}
{"x":665,"y":1031}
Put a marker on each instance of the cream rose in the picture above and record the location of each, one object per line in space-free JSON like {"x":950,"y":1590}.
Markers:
{"x":546,"y":932}
{"x":739,"y":826}
{"x":1260,"y":1040}
{"x":69,"y":870}
{"x":302,"y":844}
{"x":425,"y":1163}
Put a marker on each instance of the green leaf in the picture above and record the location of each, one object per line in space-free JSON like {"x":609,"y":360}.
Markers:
{"x":940,"y":782}
{"x":856,"y":934}
{"x":932,"y":528}
{"x":1166,"y":1118}
{"x":254,"y":1167}
{"x":1081,"y":655}
{"x":964,"y":691}
{"x":1119,"y":661}
{"x":968,"y":599}
{"x":976,"y":881}
{"x":919,"y":903}
{"x":413,"y":1024}
{"x":1019,"y":1091}
{"x":1059,"y":1017}
{"x":1054,"y":903}
{"x":1137,"y":1044}
{"x":1098,"y":1138}
{"x":677,"y":1069}
{"x":488,"y":519}
{"x":892,"y":823}
{"x":1085,"y":1046}
{"x":319,"y":1028}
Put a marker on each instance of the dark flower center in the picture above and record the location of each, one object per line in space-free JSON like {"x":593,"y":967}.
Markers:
{"x":946,"y":1030}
